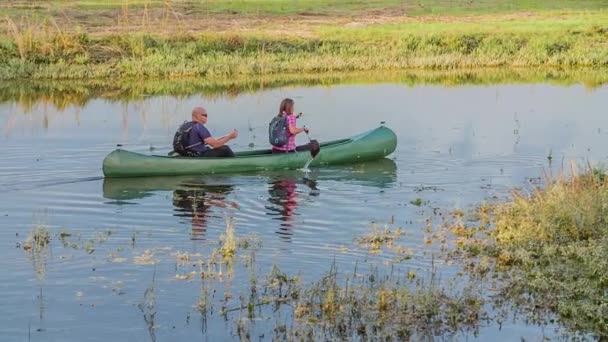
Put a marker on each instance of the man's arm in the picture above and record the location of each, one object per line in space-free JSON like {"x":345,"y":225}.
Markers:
{"x":219,"y":142}
{"x":215,"y":143}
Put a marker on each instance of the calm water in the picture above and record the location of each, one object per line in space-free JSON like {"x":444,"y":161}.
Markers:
{"x":458,"y":146}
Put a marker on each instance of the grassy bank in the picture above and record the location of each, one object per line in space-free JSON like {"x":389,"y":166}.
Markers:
{"x":547,"y":252}
{"x":153,"y":40}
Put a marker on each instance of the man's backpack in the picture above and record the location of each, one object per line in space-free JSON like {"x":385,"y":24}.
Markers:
{"x":278,"y":131}
{"x":181,"y":139}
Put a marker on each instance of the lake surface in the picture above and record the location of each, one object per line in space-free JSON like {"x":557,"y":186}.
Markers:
{"x":111,"y":239}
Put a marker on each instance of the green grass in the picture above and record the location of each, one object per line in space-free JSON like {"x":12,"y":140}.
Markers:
{"x":170,"y":40}
{"x":476,"y":7}
{"x":291,"y":7}
{"x":241,"y":7}
{"x":145,"y":56}
{"x":544,"y":22}
{"x":547,"y":251}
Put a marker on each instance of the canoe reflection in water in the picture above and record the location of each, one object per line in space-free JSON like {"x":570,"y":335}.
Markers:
{"x":197,"y":204}
{"x":193,"y":198}
{"x":206,"y":199}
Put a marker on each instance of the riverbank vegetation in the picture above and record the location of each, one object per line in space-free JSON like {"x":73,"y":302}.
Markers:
{"x":545,"y":251}
{"x":150,"y":39}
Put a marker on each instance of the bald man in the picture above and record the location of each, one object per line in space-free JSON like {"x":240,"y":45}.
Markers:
{"x":200,"y":141}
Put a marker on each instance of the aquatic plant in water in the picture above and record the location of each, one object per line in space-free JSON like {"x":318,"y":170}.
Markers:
{"x":546,"y":251}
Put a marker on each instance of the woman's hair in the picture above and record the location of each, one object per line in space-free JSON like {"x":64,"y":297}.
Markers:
{"x":286,"y":106}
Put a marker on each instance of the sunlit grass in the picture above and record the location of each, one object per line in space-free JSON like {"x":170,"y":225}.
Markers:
{"x":172,"y":46}
{"x":547,"y":249}
{"x":291,"y":7}
{"x":242,"y":56}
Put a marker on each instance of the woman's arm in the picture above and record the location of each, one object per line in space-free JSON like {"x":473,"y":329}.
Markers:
{"x":295,"y":130}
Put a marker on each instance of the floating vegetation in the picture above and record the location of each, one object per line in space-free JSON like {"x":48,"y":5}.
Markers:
{"x":417,"y":202}
{"x":37,"y":248}
{"x":38,"y":239}
{"x":184,"y":258}
{"x":147,"y":258}
{"x":379,"y":238}
{"x":186,"y":276}
{"x":116,"y":259}
{"x":78,"y":242}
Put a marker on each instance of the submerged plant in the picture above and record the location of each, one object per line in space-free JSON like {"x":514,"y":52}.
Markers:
{"x":38,"y":239}
{"x":228,"y":242}
{"x":37,"y":247}
{"x":370,"y":306}
{"x":417,"y":202}
{"x":148,"y":307}
{"x":203,"y":305}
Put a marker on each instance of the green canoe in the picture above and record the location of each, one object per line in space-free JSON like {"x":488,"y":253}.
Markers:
{"x":371,"y":145}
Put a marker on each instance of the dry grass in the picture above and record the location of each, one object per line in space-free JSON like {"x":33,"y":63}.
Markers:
{"x":568,"y":208}
{"x":170,"y":18}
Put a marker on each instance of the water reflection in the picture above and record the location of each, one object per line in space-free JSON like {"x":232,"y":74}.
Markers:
{"x":495,"y":143}
{"x":196,"y":205}
{"x":63,"y":94}
{"x":193,"y":197}
{"x":284,"y":200}
{"x":202,"y":199}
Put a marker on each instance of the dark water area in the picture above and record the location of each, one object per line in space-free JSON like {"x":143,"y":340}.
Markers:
{"x":111,"y":239}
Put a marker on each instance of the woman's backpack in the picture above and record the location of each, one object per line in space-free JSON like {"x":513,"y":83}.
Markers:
{"x":278,"y":131}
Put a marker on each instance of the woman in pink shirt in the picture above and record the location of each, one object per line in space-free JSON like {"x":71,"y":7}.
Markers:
{"x":287,"y":108}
